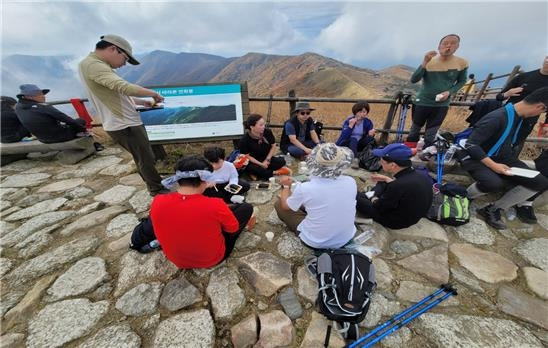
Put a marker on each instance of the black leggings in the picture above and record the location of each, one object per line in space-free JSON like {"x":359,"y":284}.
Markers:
{"x":275,"y":164}
{"x":243,"y":213}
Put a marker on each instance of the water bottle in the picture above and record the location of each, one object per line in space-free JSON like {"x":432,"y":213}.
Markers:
{"x":303,"y":169}
{"x":363,"y":237}
{"x":511,"y":213}
{"x":288,"y":159}
{"x":154,"y":244}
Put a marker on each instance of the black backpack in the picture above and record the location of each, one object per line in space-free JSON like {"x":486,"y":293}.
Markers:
{"x":367,"y":160}
{"x":346,"y":280}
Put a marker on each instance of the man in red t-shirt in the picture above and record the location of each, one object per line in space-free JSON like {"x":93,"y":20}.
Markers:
{"x":196,"y":231}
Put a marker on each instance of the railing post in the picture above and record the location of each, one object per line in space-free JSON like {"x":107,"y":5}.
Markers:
{"x":513,"y":73}
{"x":467,"y":91}
{"x":390,"y":117}
{"x":269,"y":112}
{"x":292,"y":103}
{"x":484,"y":87}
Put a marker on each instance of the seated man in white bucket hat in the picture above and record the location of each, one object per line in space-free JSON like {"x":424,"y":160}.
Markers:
{"x":322,"y":210}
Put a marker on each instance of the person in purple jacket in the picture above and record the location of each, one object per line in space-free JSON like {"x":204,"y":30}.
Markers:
{"x":357,"y":130}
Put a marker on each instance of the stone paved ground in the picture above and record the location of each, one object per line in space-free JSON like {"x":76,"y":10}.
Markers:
{"x":69,"y":279}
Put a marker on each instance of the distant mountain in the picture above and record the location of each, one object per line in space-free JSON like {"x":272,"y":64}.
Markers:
{"x":186,"y":114}
{"x":309,"y":74}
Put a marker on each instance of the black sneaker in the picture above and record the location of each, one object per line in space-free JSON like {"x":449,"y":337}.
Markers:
{"x":526,"y":214}
{"x":492,"y":216}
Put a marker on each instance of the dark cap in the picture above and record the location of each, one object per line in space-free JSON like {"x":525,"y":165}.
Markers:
{"x":31,"y":90}
{"x":396,"y":152}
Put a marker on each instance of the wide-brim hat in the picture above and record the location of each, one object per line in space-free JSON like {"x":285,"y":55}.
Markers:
{"x":303,"y":106}
{"x":395,"y":152}
{"x":31,"y":90}
{"x":329,"y":160}
{"x":122,"y":44}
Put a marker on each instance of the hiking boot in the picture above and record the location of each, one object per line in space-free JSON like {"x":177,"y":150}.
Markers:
{"x":492,"y":216}
{"x":526,"y":214}
{"x":282,"y":171}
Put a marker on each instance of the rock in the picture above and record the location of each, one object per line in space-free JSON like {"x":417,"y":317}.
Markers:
{"x":307,"y":285}
{"x":5,"y":265}
{"x":78,"y":192}
{"x":315,"y":333}
{"x":53,"y":260}
{"x":9,"y":300}
{"x":33,"y":225}
{"x":476,"y":232}
{"x":431,"y":263}
{"x":93,"y":219}
{"x":15,"y":194}
{"x":88,"y":208}
{"x":62,"y":185}
{"x":36,"y":242}
{"x":422,"y":229}
{"x":63,"y":322}
{"x":179,"y":293}
{"x":32,"y":199}
{"x":25,"y":180}
{"x":265,"y":272}
{"x":4,"y":205}
{"x":380,"y":237}
{"x":469,"y":282}
{"x":404,"y":247}
{"x":291,"y":247}
{"x":21,"y":312}
{"x":37,"y":209}
{"x":244,"y":334}
{"x":523,"y":306}
{"x":120,"y":243}
{"x":12,"y":340}
{"x":132,"y":180}
{"x":290,"y":303}
{"x":376,"y":309}
{"x":136,"y":268}
{"x":247,"y":240}
{"x":537,"y":281}
{"x":83,"y":277}
{"x":414,"y":292}
{"x":113,"y":336}
{"x":140,"y":201}
{"x":276,"y":330}
{"x":382,"y":273}
{"x":6,"y":227}
{"x":189,"y":330}
{"x":470,"y":331}
{"x":258,"y":197}
{"x":398,"y":339}
{"x":116,"y":195}
{"x":484,"y":265}
{"x":121,"y":225}
{"x":543,"y":218}
{"x":273,"y":219}
{"x":151,"y":323}
{"x":90,"y":168}
{"x":227,"y":298}
{"x":109,"y":151}
{"x":534,"y":252}
{"x":118,"y":170}
{"x":141,"y":300}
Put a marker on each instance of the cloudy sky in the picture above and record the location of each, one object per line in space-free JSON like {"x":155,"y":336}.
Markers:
{"x":496,"y":35}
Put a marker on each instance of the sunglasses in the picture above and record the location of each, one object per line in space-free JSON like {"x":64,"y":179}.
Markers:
{"x":304,"y":112}
{"x":120,"y":51}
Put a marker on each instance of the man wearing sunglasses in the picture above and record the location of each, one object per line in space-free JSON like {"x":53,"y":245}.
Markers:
{"x":113,"y":100}
{"x":299,"y":135}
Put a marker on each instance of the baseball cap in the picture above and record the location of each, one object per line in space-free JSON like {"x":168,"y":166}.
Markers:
{"x":396,"y":151}
{"x":122,"y":44}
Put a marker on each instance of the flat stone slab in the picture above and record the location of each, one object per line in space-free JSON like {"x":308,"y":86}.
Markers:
{"x":93,"y":219}
{"x":291,"y":247}
{"x":121,"y":225}
{"x":65,"y":321}
{"x":276,"y":330}
{"x":118,"y":169}
{"x":25,"y":180}
{"x":315,"y":333}
{"x":179,"y":293}
{"x":534,"y":251}
{"x":431,"y":263}
{"x":62,"y":185}
{"x":307,"y":285}
{"x":189,"y":330}
{"x":244,"y":334}
{"x":140,"y":201}
{"x":476,"y":232}
{"x":414,"y":292}
{"x":113,"y":336}
{"x":227,"y":298}
{"x":83,"y":277}
{"x":141,"y":300}
{"x":37,"y":209}
{"x":383,"y":274}
{"x":265,"y":272}
{"x":116,"y":195}
{"x":473,"y":332}
{"x":258,"y":197}
{"x":484,"y":265}
{"x":523,"y":306}
{"x":537,"y":281}
{"x":422,"y":229}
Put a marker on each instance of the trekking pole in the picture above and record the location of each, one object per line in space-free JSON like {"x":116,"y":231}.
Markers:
{"x":403,"y":116}
{"x":399,"y":316}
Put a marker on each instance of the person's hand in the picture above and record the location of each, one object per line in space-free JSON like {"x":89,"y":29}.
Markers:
{"x":352,"y":122}
{"x":308,"y":151}
{"x":428,"y":57}
{"x":210,"y":184}
{"x":285,"y":180}
{"x":545,"y":130}
{"x":501,"y":168}
{"x":445,"y":95}
{"x":372,"y":133}
{"x":380,"y":178}
{"x":158,"y":98}
{"x":265,"y":163}
{"x":512,"y":92}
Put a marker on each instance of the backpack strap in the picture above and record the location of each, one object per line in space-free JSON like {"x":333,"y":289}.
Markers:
{"x":511,"y":115}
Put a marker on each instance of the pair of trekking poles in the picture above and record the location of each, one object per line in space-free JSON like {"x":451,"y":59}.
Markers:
{"x":403,"y":318}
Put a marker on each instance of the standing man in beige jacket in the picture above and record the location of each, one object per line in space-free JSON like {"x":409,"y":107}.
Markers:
{"x":112,"y":96}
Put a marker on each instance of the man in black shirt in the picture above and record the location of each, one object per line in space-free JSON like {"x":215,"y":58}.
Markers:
{"x":44,"y":121}
{"x":397,"y":202}
{"x":11,"y":128}
{"x":488,"y":157}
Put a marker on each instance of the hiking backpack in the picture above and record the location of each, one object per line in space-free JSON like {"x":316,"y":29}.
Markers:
{"x":367,"y":160}
{"x":346,"y":280}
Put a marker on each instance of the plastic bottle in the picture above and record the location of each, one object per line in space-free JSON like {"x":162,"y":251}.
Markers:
{"x":450,"y":153}
{"x":288,"y":159}
{"x":154,"y":244}
{"x":511,"y":213}
{"x":363,"y":237}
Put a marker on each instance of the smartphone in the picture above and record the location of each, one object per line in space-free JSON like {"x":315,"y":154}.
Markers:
{"x":233,"y":188}
{"x":263,"y":186}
